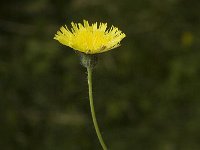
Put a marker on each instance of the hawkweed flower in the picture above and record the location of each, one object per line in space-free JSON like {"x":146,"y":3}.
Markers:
{"x":90,"y":40}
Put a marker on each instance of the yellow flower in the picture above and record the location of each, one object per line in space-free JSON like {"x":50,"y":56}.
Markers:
{"x":90,"y":39}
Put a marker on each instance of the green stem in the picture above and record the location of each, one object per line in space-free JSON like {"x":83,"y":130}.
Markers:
{"x":89,"y":70}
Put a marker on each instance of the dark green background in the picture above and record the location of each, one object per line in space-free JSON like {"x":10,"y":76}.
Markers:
{"x":146,"y":92}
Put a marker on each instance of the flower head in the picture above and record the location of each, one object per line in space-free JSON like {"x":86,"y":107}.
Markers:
{"x":90,"y":39}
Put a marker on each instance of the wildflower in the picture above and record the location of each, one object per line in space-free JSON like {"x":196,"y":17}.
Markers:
{"x":90,"y":39}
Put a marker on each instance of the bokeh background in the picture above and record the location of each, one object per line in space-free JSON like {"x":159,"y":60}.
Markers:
{"x":146,"y":92}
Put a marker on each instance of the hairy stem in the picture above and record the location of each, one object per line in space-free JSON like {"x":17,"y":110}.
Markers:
{"x":89,"y":70}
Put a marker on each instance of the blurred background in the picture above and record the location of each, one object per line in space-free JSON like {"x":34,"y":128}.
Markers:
{"x":146,"y":92}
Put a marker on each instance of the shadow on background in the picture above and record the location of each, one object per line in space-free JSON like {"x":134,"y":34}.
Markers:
{"x":146,"y":92}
